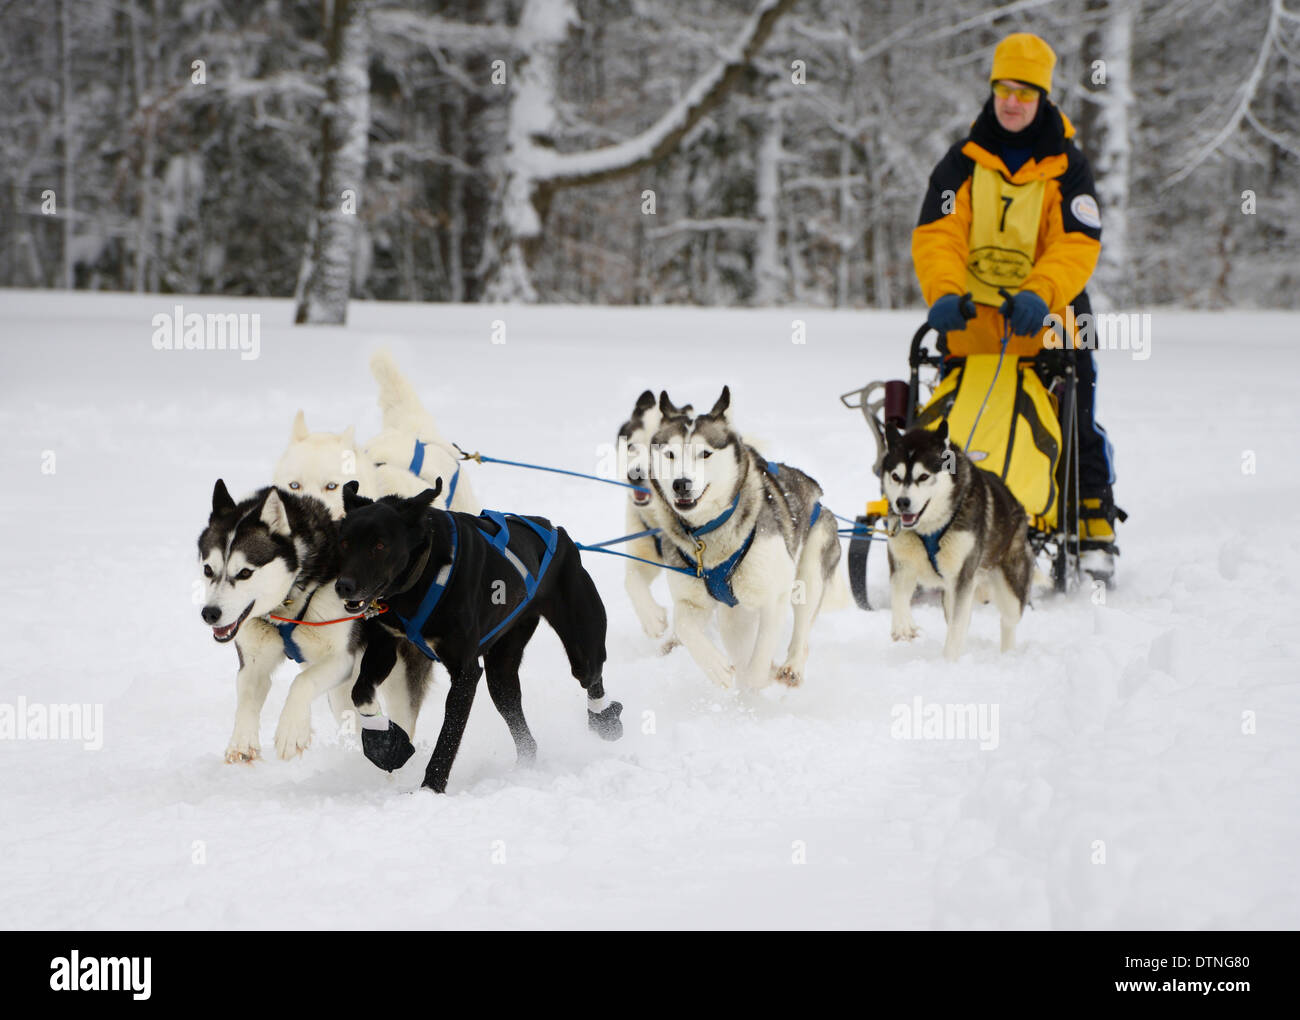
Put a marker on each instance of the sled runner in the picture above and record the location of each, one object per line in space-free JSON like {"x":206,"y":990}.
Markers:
{"x":1015,"y":417}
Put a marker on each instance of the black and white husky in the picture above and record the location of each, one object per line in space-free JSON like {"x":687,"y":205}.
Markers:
{"x":752,"y":538}
{"x":635,"y":437}
{"x":954,"y":527}
{"x":276,"y":554}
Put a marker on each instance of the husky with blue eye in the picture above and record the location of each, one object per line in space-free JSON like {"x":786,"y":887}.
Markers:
{"x":404,"y":459}
{"x":955,"y":528}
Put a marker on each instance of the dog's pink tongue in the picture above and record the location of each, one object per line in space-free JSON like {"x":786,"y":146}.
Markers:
{"x":909,"y":518}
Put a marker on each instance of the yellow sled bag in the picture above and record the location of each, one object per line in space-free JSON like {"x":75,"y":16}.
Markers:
{"x":1018,"y":437}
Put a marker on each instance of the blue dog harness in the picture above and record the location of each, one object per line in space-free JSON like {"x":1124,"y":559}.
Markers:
{"x":286,"y":630}
{"x":931,"y":543}
{"x":500,"y":541}
{"x":417,"y":462}
{"x":717,"y":579}
{"x":430,"y":601}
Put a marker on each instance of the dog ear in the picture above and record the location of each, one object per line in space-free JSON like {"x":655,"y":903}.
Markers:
{"x":349,"y":438}
{"x":274,"y":515}
{"x":351,"y":500}
{"x":666,"y":406}
{"x":942,"y":430}
{"x":299,"y":430}
{"x":723,"y":402}
{"x":221,"y":501}
{"x":413,"y":509}
{"x":644,"y":402}
{"x":425,"y":499}
{"x":892,"y":436}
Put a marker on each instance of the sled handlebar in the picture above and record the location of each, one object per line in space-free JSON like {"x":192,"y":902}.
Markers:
{"x":918,"y":355}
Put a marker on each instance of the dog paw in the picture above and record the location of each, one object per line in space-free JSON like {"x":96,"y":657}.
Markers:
{"x":606,"y":724}
{"x":292,"y":737}
{"x":722,"y":674}
{"x":904,"y":631}
{"x":243,"y":746}
{"x":667,"y":647}
{"x":390,"y":749}
{"x":789,"y":676}
{"x":656,"y":625}
{"x":242,"y":755}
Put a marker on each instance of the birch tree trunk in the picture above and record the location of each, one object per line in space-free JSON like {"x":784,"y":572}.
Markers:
{"x":68,"y":198}
{"x":146,"y":111}
{"x":881,"y":262}
{"x":456,"y":206}
{"x":345,"y":128}
{"x":844,"y":262}
{"x":1114,"y":148}
{"x":769,"y":270}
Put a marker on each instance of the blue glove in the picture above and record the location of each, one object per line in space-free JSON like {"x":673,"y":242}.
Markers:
{"x":1026,"y":311}
{"x":951,"y":312}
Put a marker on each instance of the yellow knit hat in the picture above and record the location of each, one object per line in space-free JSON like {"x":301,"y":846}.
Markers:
{"x":1024,"y":57}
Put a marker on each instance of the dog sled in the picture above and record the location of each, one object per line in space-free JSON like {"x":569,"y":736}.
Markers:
{"x":1015,"y":417}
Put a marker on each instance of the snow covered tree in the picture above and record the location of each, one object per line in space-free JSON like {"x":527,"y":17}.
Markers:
{"x":580,"y":150}
{"x":1211,"y":210}
{"x":533,"y":170}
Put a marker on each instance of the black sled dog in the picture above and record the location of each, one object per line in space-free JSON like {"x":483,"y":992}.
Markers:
{"x":461,"y":587}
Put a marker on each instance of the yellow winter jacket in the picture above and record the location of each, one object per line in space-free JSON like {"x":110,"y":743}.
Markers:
{"x":983,"y":228}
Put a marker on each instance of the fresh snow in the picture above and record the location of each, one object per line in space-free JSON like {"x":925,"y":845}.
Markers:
{"x":1120,"y":725}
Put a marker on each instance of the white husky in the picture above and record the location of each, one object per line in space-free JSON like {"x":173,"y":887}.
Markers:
{"x":404,"y":459}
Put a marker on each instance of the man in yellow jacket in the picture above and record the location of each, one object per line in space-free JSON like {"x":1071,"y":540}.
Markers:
{"x":1012,"y":207}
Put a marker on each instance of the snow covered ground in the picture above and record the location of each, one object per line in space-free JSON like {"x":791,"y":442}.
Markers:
{"x":1146,"y":761}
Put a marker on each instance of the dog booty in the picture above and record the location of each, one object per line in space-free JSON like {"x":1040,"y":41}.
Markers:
{"x":606,"y":724}
{"x":390,"y":748}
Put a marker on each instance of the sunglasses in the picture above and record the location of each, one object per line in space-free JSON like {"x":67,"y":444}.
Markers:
{"x":1023,"y":94}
